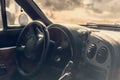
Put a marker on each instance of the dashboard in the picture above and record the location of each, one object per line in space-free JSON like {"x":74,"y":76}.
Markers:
{"x":103,"y":52}
{"x":84,"y":52}
{"x":95,"y":52}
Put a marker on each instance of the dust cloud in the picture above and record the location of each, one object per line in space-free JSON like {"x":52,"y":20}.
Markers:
{"x":81,"y":11}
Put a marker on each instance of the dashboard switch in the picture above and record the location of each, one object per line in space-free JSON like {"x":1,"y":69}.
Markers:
{"x":3,"y":69}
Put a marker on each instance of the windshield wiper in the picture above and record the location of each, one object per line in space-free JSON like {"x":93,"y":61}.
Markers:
{"x":115,"y":25}
{"x":103,"y":26}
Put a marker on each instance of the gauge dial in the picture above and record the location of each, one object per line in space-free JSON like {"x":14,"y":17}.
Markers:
{"x":62,"y":51}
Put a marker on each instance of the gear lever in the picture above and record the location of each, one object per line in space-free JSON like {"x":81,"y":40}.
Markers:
{"x":66,"y":74}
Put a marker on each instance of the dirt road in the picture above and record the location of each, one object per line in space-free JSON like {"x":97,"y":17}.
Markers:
{"x":81,"y":15}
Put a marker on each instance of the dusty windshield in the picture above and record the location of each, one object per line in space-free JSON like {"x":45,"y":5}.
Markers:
{"x":81,"y":11}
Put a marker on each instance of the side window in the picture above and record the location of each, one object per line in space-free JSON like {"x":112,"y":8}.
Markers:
{"x":14,"y":12}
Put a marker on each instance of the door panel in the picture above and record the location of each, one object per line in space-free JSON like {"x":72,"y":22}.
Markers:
{"x":7,"y":63}
{"x":9,"y":38}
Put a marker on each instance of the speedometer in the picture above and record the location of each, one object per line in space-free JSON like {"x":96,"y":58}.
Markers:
{"x":62,"y":51}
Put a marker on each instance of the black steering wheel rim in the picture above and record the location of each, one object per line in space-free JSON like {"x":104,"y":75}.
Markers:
{"x":45,"y":42}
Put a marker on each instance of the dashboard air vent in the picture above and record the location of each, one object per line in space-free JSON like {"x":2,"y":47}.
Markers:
{"x":102,"y":55}
{"x":91,"y":51}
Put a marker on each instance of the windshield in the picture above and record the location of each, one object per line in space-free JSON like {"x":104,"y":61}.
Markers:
{"x":81,"y":11}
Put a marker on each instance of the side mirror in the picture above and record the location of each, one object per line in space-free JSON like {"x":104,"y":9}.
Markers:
{"x":23,"y":19}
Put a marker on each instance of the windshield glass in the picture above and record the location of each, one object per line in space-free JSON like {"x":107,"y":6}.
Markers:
{"x":81,"y":11}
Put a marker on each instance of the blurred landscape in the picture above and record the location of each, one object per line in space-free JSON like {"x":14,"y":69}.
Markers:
{"x":81,"y":11}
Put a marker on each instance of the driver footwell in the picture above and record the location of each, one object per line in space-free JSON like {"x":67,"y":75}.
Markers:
{"x":46,"y":73}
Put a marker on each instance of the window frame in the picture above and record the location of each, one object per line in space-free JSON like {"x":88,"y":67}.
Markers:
{"x":3,"y":14}
{"x":5,"y":25}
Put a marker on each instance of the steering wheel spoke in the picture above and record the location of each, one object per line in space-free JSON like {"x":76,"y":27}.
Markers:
{"x":40,"y":39}
{"x":21,"y":48}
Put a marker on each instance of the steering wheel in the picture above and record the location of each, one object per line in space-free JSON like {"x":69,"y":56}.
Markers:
{"x":31,"y":47}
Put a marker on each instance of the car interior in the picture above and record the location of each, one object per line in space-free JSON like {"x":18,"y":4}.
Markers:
{"x":43,"y":50}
